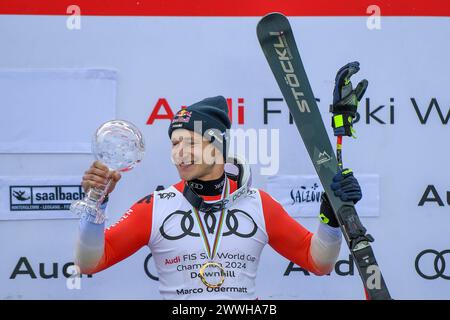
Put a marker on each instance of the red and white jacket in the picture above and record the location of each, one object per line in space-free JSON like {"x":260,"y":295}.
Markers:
{"x":164,"y":221}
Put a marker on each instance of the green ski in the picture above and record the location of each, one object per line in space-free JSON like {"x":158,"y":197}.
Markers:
{"x":278,"y":44}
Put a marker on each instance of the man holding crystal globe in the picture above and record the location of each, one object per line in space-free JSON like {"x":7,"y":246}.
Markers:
{"x":212,"y":223}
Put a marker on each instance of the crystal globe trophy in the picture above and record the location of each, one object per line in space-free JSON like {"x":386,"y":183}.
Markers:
{"x":119,"y":145}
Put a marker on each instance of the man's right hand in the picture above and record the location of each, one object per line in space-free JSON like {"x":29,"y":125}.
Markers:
{"x":97,"y":177}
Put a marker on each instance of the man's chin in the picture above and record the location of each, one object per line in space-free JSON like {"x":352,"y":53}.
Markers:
{"x":185,"y":177}
{"x":185,"y":173}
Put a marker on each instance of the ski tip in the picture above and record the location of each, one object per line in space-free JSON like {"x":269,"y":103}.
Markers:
{"x":273,"y":15}
{"x":272,"y":19}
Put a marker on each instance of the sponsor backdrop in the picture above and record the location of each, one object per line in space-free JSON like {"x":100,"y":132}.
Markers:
{"x":162,"y":63}
{"x":39,"y":197}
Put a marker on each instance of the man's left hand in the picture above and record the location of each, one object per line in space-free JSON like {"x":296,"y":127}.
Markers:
{"x":346,"y":186}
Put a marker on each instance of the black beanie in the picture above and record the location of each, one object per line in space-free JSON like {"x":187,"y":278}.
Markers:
{"x":213,"y":114}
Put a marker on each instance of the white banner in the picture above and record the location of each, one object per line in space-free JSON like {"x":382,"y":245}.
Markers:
{"x":169,"y":62}
{"x":54,"y":111}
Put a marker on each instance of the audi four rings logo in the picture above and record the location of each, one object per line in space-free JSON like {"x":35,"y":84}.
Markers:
{"x":197,"y":186}
{"x":187,"y":224}
{"x":438,"y":264}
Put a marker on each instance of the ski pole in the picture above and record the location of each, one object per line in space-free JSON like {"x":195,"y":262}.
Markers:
{"x":339,"y":152}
